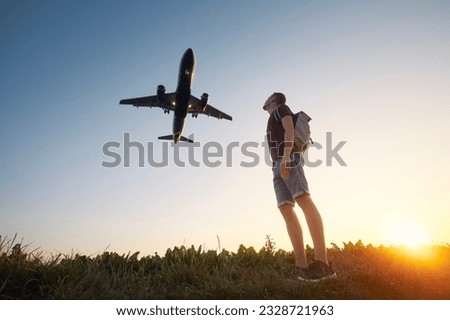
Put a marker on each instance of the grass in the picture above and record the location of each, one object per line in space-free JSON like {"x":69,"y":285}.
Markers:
{"x":364,"y":272}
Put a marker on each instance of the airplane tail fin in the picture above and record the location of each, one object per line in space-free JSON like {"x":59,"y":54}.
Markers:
{"x":168,"y":137}
{"x":182,"y":138}
{"x":171,"y":137}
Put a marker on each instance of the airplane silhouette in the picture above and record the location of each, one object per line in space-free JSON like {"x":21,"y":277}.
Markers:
{"x":181,"y":101}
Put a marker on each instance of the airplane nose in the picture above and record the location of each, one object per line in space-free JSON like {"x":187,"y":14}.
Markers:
{"x":189,"y":52}
{"x":188,"y":58}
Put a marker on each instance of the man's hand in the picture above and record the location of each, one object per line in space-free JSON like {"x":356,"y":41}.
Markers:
{"x":285,"y":168}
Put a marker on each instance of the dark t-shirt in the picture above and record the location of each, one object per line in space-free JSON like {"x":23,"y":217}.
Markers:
{"x":275,"y":132}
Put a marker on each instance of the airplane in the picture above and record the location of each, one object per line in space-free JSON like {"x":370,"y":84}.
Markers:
{"x":181,"y":102}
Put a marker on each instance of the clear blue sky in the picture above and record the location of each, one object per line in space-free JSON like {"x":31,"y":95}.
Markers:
{"x":375,"y":74}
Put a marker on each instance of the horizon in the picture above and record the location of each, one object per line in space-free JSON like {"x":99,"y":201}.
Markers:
{"x":405,"y":251}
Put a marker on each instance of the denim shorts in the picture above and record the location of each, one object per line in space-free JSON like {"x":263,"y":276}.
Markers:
{"x":287,"y":190}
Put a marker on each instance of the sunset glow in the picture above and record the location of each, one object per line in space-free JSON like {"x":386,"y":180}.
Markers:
{"x":406,"y":232}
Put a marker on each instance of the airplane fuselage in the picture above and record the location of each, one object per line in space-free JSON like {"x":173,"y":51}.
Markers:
{"x":183,"y":93}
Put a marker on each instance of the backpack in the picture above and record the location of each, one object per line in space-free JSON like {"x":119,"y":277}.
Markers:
{"x":302,"y":130}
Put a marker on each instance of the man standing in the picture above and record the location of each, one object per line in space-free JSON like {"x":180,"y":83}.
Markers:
{"x":291,"y":187}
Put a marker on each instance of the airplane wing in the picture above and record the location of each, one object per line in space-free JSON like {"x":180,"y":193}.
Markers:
{"x":152,"y":101}
{"x":210,"y":111}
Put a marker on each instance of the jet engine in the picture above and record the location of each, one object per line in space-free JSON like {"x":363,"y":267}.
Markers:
{"x":204,"y":101}
{"x":160,"y":91}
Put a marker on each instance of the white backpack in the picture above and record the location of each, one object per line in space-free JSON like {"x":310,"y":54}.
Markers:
{"x":302,"y":130}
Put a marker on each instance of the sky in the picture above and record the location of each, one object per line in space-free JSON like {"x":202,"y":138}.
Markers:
{"x":373,"y":76}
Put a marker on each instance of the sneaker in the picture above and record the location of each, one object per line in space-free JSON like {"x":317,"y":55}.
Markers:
{"x":318,"y":271}
{"x":299,"y":272}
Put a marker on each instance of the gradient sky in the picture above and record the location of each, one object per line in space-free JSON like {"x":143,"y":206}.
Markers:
{"x":375,"y":74}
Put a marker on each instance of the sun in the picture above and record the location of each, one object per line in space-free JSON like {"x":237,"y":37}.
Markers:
{"x":404,"y":231}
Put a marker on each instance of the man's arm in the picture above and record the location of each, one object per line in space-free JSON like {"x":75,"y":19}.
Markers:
{"x":288,"y":125}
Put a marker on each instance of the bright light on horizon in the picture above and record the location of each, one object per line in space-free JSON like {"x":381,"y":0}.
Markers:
{"x":405,"y":231}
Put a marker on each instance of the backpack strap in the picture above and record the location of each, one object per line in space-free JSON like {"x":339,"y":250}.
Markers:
{"x":277,"y":114}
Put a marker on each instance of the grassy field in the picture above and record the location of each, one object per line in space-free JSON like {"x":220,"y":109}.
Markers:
{"x":364,"y":272}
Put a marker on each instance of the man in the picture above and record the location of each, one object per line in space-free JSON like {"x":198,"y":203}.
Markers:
{"x":291,"y":187}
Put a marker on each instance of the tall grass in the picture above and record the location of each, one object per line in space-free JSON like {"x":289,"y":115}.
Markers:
{"x":364,"y":272}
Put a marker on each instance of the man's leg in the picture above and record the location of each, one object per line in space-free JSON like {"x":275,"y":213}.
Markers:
{"x":295,"y":234}
{"x":315,"y":225}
